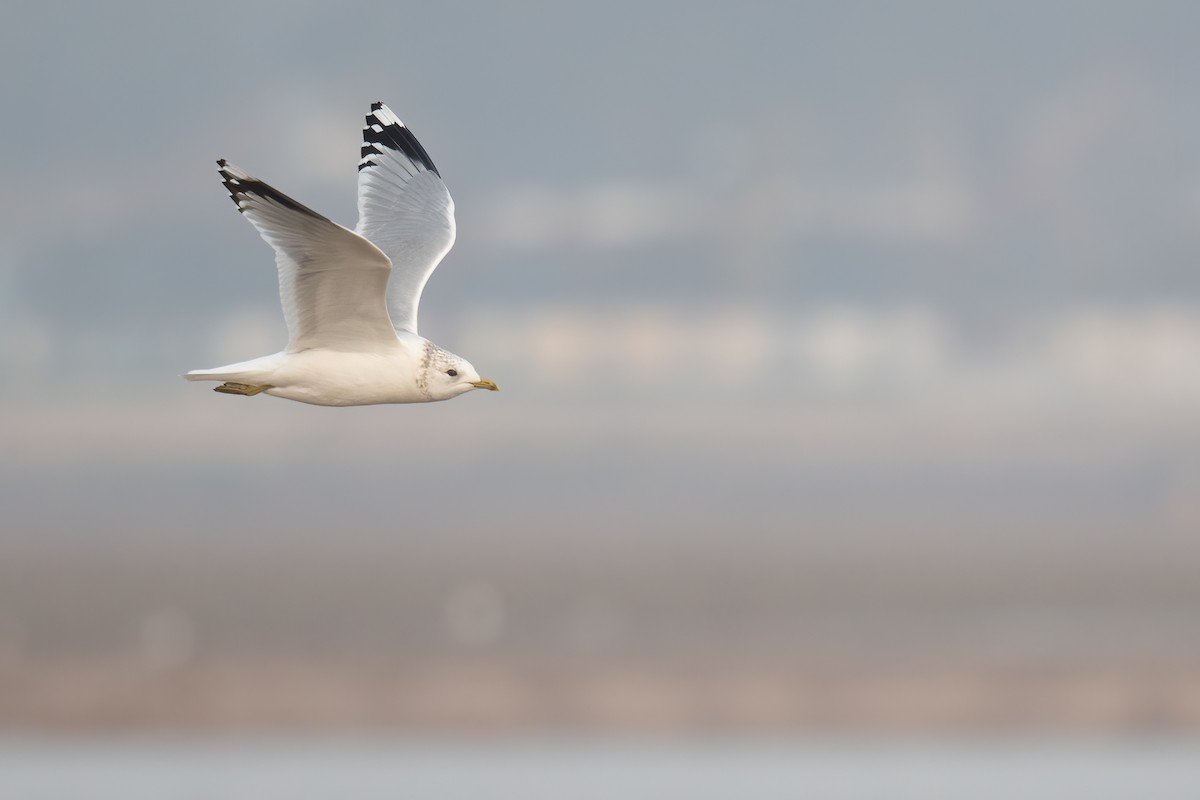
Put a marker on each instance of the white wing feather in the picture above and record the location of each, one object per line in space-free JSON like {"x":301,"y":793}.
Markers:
{"x":332,"y":282}
{"x":404,"y":208}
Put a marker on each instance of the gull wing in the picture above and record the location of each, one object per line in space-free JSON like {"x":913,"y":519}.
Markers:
{"x":404,"y":208}
{"x":332,"y":282}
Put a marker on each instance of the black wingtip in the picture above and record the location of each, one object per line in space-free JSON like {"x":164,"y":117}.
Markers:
{"x":394,"y":135}
{"x":231,"y":184}
{"x":241,"y":187}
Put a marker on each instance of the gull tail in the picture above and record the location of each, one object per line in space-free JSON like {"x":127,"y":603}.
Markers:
{"x":257,"y":371}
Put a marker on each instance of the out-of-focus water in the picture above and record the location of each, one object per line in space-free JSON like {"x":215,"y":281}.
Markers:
{"x":582,"y":769}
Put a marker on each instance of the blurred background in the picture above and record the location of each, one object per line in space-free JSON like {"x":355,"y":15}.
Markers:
{"x":848,"y":357}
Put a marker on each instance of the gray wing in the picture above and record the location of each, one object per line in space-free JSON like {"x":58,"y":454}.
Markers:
{"x":404,"y":208}
{"x":332,"y":282}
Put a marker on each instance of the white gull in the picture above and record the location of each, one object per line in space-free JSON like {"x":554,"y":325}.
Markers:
{"x":350,"y":297}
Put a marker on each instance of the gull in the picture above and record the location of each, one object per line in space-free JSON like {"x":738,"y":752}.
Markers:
{"x":350,"y":297}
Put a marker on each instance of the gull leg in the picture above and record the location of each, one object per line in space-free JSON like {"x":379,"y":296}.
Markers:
{"x":245,"y":389}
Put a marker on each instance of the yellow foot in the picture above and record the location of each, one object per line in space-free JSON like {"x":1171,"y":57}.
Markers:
{"x":240,"y":388}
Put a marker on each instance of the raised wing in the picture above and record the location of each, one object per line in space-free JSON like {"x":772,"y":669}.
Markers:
{"x":332,"y":282}
{"x":404,"y":208}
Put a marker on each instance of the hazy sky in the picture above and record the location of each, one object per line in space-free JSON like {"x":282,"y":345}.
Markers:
{"x":984,"y":158}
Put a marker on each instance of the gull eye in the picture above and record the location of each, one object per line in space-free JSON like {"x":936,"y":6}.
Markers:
{"x":453,"y":373}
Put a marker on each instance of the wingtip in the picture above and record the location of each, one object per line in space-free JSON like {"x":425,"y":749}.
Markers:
{"x":385,"y":129}
{"x":231,"y":173}
{"x":383,"y":116}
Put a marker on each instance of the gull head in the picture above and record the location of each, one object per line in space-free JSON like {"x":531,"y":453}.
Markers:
{"x":446,"y":375}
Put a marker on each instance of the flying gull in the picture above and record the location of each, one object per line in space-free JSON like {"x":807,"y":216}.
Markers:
{"x":350,"y":297}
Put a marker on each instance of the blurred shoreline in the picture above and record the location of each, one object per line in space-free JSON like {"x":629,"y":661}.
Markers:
{"x":744,"y":696}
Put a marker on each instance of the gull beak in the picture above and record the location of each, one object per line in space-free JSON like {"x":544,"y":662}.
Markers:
{"x":484,"y":383}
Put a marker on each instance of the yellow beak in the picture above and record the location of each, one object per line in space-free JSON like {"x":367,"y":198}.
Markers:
{"x":484,"y":383}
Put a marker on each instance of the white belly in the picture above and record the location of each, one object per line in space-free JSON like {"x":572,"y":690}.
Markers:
{"x":331,"y":378}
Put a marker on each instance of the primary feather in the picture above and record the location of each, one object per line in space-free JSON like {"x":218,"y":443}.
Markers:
{"x":405,"y":208}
